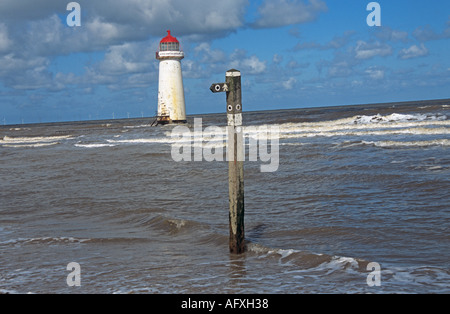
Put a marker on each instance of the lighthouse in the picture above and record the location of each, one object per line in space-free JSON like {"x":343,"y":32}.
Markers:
{"x":171,"y":104}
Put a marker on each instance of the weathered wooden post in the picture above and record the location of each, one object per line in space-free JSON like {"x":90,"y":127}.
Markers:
{"x":235,"y":155}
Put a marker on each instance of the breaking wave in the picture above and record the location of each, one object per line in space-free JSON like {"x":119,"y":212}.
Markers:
{"x":393,"y":124}
{"x":357,"y":126}
{"x":98,"y":145}
{"x":442,"y":142}
{"x":32,"y":142}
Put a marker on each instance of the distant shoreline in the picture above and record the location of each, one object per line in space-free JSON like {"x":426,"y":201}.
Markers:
{"x":384,"y":104}
{"x":355,"y":106}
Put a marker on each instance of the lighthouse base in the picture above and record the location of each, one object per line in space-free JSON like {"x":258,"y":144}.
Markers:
{"x":163,"y":120}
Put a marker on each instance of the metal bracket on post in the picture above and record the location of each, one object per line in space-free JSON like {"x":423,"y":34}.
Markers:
{"x":235,"y":154}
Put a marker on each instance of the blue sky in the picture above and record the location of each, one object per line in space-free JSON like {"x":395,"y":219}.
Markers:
{"x":292,"y":54}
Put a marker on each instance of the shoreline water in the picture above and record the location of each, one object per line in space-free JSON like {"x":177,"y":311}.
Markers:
{"x":353,"y":187}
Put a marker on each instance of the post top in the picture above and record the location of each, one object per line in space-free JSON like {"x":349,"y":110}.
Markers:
{"x":233,"y":72}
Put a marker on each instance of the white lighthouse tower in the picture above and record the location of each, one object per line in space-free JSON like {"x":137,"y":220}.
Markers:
{"x":171,"y":105}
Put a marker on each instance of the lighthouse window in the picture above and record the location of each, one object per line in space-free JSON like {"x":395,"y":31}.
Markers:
{"x":170,"y":47}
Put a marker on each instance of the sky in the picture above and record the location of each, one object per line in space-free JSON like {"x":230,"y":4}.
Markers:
{"x":291,"y":53}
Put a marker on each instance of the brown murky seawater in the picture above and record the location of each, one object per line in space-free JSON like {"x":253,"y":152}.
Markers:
{"x":354,"y":185}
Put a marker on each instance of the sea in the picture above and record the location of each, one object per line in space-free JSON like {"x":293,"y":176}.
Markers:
{"x":359,"y":203}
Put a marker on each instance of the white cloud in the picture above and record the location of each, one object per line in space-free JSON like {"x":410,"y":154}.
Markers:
{"x":365,"y":50}
{"x":426,"y":33}
{"x":5,"y":42}
{"x":193,"y":69}
{"x":275,"y":13}
{"x":106,"y":31}
{"x":29,"y":10}
{"x":250,"y":65}
{"x":277,"y":58}
{"x":113,"y":22}
{"x":32,"y":31}
{"x":124,"y":66}
{"x":386,"y":33}
{"x":413,"y":52}
{"x":340,"y":69}
{"x":336,"y":43}
{"x":25,"y":73}
{"x":290,"y":83}
{"x":126,"y":59}
{"x":209,"y":55}
{"x":375,"y":73}
{"x":184,"y":17}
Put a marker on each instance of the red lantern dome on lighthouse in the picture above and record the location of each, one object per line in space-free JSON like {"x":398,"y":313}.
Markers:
{"x":169,"y":39}
{"x":169,"y":47}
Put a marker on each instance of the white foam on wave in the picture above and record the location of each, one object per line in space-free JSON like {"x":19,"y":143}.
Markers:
{"x":397,"y":117}
{"x":398,"y":278}
{"x":407,"y":131}
{"x":437,"y":142}
{"x":324,"y":262}
{"x":137,"y":126}
{"x":30,"y":145}
{"x":341,"y":262}
{"x":430,"y":279}
{"x":141,"y":141}
{"x":38,"y":139}
{"x":357,"y":126}
{"x":19,"y":129}
{"x":94,"y":145}
{"x":32,"y":142}
{"x":394,"y":124}
{"x":284,"y":252}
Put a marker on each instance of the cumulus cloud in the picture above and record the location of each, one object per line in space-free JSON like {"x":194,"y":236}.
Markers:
{"x":250,"y":65}
{"x":341,"y":68}
{"x":114,"y":22}
{"x":145,"y":17}
{"x":5,"y":42}
{"x":386,"y":33}
{"x":375,"y":73}
{"x":275,"y":13}
{"x":21,"y":73}
{"x":33,"y":32}
{"x":336,"y":43}
{"x":29,"y":10}
{"x":426,"y":33}
{"x":290,"y":83}
{"x":126,"y":59}
{"x":413,"y":52}
{"x":209,"y":55}
{"x":364,"y":50}
{"x":184,"y":17}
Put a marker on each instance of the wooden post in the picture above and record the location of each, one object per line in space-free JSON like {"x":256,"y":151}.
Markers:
{"x":235,"y":156}
{"x":235,"y":153}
